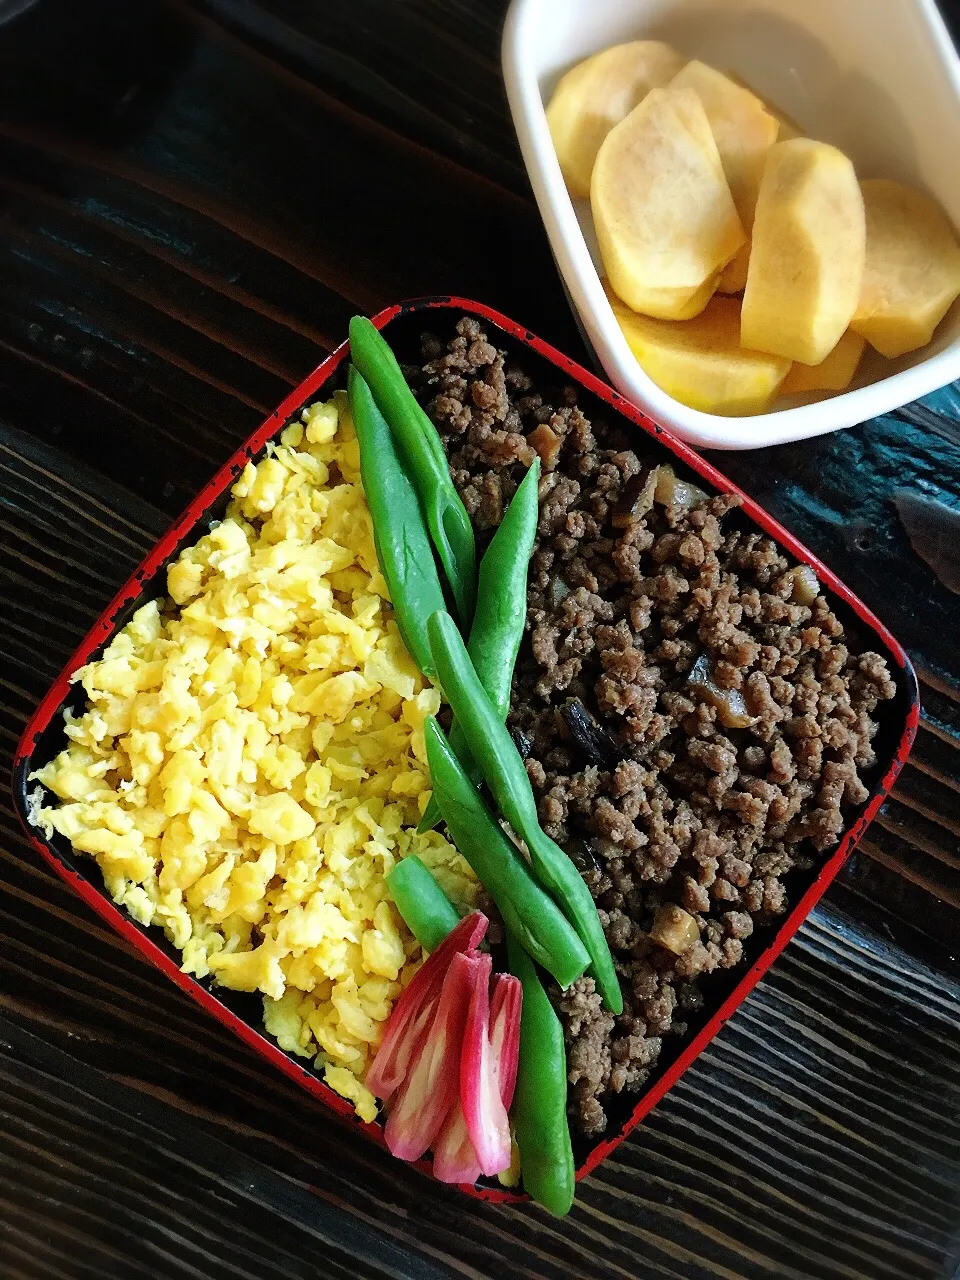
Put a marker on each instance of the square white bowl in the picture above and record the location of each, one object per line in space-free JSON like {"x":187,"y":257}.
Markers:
{"x":878,"y":78}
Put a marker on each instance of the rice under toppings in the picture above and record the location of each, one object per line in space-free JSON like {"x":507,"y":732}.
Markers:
{"x":250,"y":762}
{"x":695,"y":717}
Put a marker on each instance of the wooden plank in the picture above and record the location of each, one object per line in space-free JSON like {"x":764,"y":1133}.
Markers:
{"x":143,"y":1192}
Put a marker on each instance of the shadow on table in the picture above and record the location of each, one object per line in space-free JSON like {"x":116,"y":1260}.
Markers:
{"x":94,"y":69}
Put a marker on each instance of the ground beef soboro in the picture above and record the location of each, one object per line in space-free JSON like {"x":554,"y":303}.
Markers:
{"x":727,"y":715}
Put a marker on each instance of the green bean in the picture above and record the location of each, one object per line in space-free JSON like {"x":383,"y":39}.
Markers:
{"x":400,"y":533}
{"x":422,"y":451}
{"x":500,"y":616}
{"x":539,"y":1111}
{"x":503,"y":771}
{"x":428,"y":912}
{"x":502,"y":593}
{"x":527,"y":911}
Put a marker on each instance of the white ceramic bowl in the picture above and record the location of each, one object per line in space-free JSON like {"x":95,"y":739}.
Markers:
{"x":878,"y":78}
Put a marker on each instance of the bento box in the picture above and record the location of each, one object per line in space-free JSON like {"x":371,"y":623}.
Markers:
{"x":403,"y":325}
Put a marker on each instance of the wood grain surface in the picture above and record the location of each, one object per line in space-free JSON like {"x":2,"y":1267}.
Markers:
{"x":195,"y":195}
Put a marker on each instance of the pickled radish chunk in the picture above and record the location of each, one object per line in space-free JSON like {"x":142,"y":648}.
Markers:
{"x":596,"y":94}
{"x":807,"y":254}
{"x":665,"y":219}
{"x":835,"y":373}
{"x":912,"y":272}
{"x":743,"y":129}
{"x":701,"y":363}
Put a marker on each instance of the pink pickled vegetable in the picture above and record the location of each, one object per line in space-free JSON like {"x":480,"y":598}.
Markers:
{"x":505,"y":1003}
{"x":483,"y":1108}
{"x":454,"y":1159}
{"x":454,"y":1156}
{"x":425,"y":1099}
{"x":416,"y":1008}
{"x":448,"y":1062}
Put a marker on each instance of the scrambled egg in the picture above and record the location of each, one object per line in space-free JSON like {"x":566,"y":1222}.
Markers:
{"x":251,"y":761}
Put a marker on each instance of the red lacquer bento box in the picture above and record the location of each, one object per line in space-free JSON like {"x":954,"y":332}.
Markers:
{"x":403,"y":325}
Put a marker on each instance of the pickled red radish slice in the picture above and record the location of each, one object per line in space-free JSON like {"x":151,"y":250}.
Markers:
{"x":413,"y":1012}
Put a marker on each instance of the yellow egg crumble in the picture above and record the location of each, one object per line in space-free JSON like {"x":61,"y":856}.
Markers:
{"x":251,"y":763}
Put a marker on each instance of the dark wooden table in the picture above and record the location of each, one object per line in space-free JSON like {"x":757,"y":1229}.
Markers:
{"x":195,"y":195}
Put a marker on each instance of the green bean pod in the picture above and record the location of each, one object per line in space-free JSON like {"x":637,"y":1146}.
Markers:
{"x":539,"y":1111}
{"x":532,"y":916}
{"x":502,"y":593}
{"x":400,"y":533}
{"x":500,"y":614}
{"x":422,"y":451}
{"x":503,"y":770}
{"x":428,"y":912}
